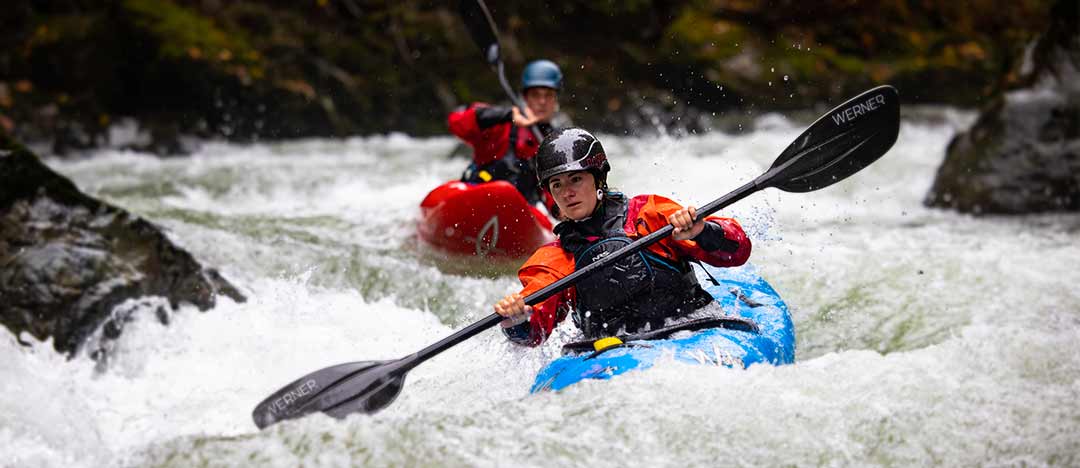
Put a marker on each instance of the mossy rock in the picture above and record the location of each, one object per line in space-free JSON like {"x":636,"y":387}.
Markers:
{"x":1022,"y":155}
{"x":271,"y":70}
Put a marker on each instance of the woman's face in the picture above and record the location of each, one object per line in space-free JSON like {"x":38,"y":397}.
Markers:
{"x":574,"y":193}
{"x":543,"y":102}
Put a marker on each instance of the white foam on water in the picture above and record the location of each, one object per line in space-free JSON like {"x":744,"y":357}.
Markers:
{"x":925,"y":337}
{"x":203,"y":373}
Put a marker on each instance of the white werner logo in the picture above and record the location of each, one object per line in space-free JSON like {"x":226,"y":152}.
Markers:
{"x":291,"y":396}
{"x":853,"y":112}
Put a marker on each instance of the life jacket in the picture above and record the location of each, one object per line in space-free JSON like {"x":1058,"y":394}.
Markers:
{"x":635,"y":293}
{"x":518,"y":171}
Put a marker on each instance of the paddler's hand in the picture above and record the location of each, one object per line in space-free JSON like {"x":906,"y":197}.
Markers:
{"x":524,"y":119}
{"x":683,"y":221}
{"x":514,"y":309}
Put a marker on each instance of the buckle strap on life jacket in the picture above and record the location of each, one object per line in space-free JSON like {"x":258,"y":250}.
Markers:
{"x":729,"y":323}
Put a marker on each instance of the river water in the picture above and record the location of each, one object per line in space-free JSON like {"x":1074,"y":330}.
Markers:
{"x":925,"y":337}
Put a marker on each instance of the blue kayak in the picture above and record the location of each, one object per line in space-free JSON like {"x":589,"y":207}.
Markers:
{"x":755,"y":327}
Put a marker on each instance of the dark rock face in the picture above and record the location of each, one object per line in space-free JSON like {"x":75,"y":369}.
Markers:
{"x":1023,"y":153}
{"x":67,"y":260}
{"x":72,"y":71}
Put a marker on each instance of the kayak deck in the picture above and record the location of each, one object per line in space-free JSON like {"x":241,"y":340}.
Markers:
{"x":490,"y":220}
{"x":742,"y":295}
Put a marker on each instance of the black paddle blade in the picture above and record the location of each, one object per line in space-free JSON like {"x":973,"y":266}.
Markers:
{"x":839,"y":144}
{"x":481,"y":27}
{"x":338,"y":391}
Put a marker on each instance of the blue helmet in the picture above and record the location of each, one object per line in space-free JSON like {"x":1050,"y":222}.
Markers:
{"x":541,"y":73}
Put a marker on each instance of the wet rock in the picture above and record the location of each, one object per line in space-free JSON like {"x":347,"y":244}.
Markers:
{"x":263,"y":70}
{"x":1023,"y":153}
{"x":74,"y":136}
{"x":68,"y":260}
{"x":650,"y":115}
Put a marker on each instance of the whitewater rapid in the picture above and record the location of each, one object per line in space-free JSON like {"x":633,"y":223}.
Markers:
{"x":925,"y":337}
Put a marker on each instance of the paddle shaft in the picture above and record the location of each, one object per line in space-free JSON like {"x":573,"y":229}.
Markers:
{"x":837,"y":145}
{"x":554,"y":288}
{"x":515,"y":99}
{"x":482,"y":34}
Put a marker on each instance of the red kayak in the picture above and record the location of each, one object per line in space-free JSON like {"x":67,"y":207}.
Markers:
{"x":490,"y":220}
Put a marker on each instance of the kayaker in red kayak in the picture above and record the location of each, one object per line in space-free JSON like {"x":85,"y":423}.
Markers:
{"x":500,"y":137}
{"x":641,"y":290}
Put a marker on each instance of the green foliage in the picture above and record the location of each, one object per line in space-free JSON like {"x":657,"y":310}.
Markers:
{"x":969,"y":45}
{"x":266,"y":68}
{"x":184,"y":34}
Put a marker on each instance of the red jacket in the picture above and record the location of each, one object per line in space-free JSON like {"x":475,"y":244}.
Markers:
{"x":645,"y":214}
{"x":487,"y":129}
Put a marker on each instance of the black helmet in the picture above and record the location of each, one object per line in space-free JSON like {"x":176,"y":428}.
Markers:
{"x":571,"y":149}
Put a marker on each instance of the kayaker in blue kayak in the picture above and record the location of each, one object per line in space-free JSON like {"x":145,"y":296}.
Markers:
{"x":500,"y":137}
{"x":638,"y":292}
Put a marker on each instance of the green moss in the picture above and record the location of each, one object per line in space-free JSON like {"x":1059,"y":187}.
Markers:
{"x":222,"y":68}
{"x":706,"y":38}
{"x":184,"y":34}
